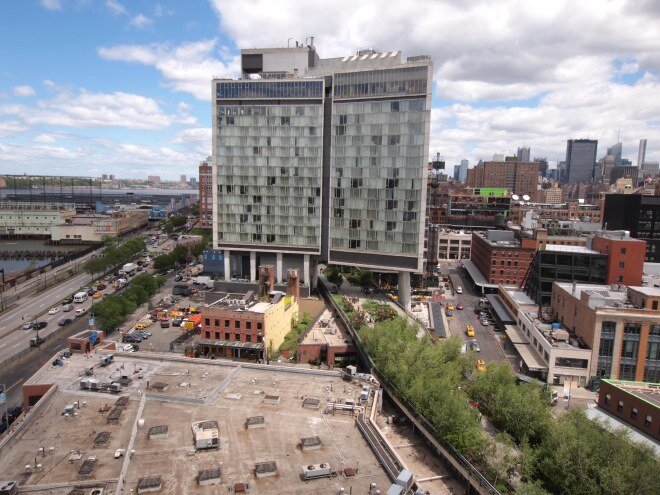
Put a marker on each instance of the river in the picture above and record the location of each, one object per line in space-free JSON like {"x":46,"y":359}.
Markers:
{"x":32,"y":245}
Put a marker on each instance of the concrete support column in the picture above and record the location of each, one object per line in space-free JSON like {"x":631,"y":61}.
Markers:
{"x":227,"y":255}
{"x":306,"y":269}
{"x":253,"y":266}
{"x":278,"y":268}
{"x":404,"y":289}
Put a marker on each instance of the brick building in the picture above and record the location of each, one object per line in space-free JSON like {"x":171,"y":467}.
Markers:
{"x":205,"y":195}
{"x":638,"y":404}
{"x":620,"y":324}
{"x":519,"y":178}
{"x":501,"y":257}
{"x":550,"y":214}
{"x":235,"y":326}
{"x":326,"y":342}
{"x":625,"y":256}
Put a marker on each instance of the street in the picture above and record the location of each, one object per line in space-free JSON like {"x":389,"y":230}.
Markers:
{"x":487,"y":338}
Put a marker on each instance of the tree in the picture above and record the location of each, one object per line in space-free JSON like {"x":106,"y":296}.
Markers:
{"x":531,"y":488}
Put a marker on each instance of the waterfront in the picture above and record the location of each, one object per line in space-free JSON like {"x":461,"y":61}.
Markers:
{"x":10,"y":265}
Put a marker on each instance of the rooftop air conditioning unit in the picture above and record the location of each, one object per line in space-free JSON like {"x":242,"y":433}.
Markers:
{"x":312,"y":471}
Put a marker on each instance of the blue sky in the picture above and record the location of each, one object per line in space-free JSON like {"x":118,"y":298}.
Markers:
{"x":117,"y":86}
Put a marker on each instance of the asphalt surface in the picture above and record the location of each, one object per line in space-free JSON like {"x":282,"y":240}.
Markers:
{"x":20,"y":370}
{"x":486,"y":336}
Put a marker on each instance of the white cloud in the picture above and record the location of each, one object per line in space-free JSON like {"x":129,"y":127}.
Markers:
{"x":140,"y":21}
{"x":51,"y":4}
{"x":87,"y":109}
{"x":560,"y":66}
{"x":22,"y":91}
{"x":188,"y":67}
{"x":197,"y":139}
{"x":115,"y":7}
{"x":13,"y":127}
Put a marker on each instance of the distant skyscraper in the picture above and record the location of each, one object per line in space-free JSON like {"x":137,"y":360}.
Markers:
{"x":498,"y":157}
{"x":616,"y":151}
{"x":460,"y":171}
{"x":641,"y":154}
{"x":580,"y":159}
{"x":154,"y":179}
{"x":182,"y":179}
{"x":523,"y":155}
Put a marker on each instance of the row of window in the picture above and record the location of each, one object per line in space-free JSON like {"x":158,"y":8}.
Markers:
{"x":634,"y":413}
{"x":237,"y":324}
{"x":269,"y":89}
{"x":237,"y":336}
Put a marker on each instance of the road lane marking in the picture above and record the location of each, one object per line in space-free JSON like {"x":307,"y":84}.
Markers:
{"x":16,"y":345}
{"x":19,"y":381}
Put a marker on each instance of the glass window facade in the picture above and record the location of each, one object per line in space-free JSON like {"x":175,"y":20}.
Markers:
{"x":269,"y":90}
{"x":269,"y":164}
{"x":385,"y":82}
{"x":377,"y":167}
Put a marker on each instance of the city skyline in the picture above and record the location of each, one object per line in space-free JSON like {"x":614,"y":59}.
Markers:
{"x":149,"y":66}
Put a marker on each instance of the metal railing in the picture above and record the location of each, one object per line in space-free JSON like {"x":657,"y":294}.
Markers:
{"x":441,"y":446}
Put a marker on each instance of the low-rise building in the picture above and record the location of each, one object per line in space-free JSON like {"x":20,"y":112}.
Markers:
{"x":238,"y":326}
{"x":326,"y":342}
{"x":447,"y":245}
{"x":500,"y":257}
{"x":620,"y":324}
{"x":637,"y":404}
{"x":19,"y":218}
{"x":548,"y":214}
{"x":90,"y":228}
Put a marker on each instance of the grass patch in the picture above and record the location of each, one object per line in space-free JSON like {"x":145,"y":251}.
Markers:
{"x":291,"y":339}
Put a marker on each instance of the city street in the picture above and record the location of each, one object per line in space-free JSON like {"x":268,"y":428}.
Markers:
{"x":487,"y":338}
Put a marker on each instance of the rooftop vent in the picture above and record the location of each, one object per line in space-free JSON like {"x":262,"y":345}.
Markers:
{"x":310,"y":443}
{"x":159,"y":386}
{"x":101,"y":440}
{"x":158,"y":432}
{"x":209,"y":476}
{"x":114,"y":415}
{"x":150,"y":484}
{"x":255,"y":422}
{"x":264,"y":469}
{"x":310,"y":403}
{"x":273,"y":400}
{"x":87,"y":468}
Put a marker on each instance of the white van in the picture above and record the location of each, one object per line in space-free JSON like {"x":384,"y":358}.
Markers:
{"x":459,"y":290}
{"x":80,"y":297}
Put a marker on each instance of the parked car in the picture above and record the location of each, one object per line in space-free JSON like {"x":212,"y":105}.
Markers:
{"x":474,"y":345}
{"x":14,"y":412}
{"x":131,"y":339}
{"x":485,"y":323}
{"x":469,"y":331}
{"x":459,"y":307}
{"x":39,"y":325}
{"x":129,"y":348}
{"x":165,"y":324}
{"x":449,"y":312}
{"x":91,"y":291}
{"x":67,"y":307}
{"x":97,"y":295}
{"x":178,"y":277}
{"x":81,"y":311}
{"x":53,"y":311}
{"x":176,"y":322}
{"x":64,"y":321}
{"x":101,"y":287}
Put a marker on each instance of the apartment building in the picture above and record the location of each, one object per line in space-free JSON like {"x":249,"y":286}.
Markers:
{"x":518,"y":178}
{"x":621,"y":326}
{"x":321,"y":159}
{"x":206,"y":194}
{"x":500,"y":257}
{"x":638,"y":214}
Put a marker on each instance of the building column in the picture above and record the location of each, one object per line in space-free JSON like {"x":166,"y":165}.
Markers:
{"x":253,"y":266}
{"x":278,"y":268}
{"x":227,"y":256}
{"x":306,"y":269}
{"x":404,"y":289}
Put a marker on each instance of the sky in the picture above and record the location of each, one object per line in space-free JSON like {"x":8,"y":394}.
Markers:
{"x":91,"y":87}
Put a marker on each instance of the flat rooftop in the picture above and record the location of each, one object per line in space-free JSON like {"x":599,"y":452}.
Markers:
{"x":170,"y":393}
{"x":604,"y":296}
{"x":649,"y":392}
{"x":569,"y":249}
{"x":327,"y":330}
{"x":520,"y":297}
{"x":547,"y":331}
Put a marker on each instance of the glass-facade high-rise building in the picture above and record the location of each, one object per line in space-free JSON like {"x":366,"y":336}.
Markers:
{"x":580,"y":160}
{"x":321,"y":160}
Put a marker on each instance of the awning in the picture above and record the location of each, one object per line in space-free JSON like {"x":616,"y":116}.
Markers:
{"x":476,"y":275}
{"x":516,"y":336}
{"x":437,"y":323}
{"x":500,"y":309}
{"x":530,"y":357}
